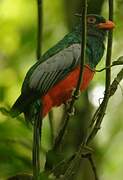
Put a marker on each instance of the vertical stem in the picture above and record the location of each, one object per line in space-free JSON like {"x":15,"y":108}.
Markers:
{"x":98,"y":117}
{"x":38,"y":119}
{"x":39,"y":28}
{"x":109,"y":49}
{"x":75,"y":162}
{"x":93,"y":166}
{"x":76,"y":92}
{"x":83,"y":46}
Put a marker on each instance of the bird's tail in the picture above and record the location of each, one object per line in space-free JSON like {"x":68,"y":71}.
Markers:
{"x":37,"y":121}
{"x":17,"y":107}
{"x":21,"y":105}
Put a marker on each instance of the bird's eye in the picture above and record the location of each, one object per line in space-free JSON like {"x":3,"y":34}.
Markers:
{"x":91,"y":20}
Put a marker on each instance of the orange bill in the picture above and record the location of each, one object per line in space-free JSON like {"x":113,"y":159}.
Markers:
{"x":106,"y":25}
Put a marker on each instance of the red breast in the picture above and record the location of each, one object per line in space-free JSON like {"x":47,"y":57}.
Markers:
{"x":61,"y":92}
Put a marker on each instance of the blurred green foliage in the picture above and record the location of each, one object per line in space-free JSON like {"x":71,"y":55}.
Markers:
{"x":18,"y":25}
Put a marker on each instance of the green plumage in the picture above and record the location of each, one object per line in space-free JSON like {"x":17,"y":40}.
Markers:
{"x":59,"y":61}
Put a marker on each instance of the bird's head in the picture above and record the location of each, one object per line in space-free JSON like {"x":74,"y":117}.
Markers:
{"x":97,"y":25}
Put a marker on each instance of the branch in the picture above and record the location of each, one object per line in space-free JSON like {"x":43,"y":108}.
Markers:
{"x":93,"y":166}
{"x":118,"y":62}
{"x":39,"y":29}
{"x":63,"y":165}
{"x":76,"y":92}
{"x":101,"y":111}
{"x":75,"y":162}
{"x":92,"y":163}
{"x":109,"y":49}
{"x":99,"y":114}
{"x":115,"y":83}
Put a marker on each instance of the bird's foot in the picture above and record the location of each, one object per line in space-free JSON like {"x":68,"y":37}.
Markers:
{"x":76,"y":94}
{"x":70,"y":112}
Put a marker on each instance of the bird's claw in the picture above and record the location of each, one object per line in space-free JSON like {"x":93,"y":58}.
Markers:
{"x":72,"y":112}
{"x":75,"y":94}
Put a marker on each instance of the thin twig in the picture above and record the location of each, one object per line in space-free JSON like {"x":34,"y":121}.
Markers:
{"x":93,"y":166}
{"x":99,"y":114}
{"x":111,"y":91}
{"x":76,"y":91}
{"x":115,"y":83}
{"x":75,"y":162}
{"x":39,"y":29}
{"x":61,"y":166}
{"x":115,"y":63}
{"x":73,"y":165}
{"x":109,"y":49}
{"x":38,"y":120}
{"x":92,"y":163}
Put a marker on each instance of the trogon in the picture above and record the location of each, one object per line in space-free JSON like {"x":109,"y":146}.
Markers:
{"x":52,"y":79}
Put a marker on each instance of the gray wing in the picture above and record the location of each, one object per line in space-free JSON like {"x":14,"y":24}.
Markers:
{"x":56,"y":68}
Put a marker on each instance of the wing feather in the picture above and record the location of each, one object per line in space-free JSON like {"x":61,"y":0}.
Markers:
{"x":56,"y":68}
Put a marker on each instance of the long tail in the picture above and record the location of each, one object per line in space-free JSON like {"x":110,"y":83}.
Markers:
{"x":37,"y":120}
{"x":32,"y":108}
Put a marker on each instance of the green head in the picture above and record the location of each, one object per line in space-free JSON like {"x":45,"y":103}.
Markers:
{"x":97,"y":27}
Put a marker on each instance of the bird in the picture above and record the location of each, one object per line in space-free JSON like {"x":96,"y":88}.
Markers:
{"x":51,"y":81}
